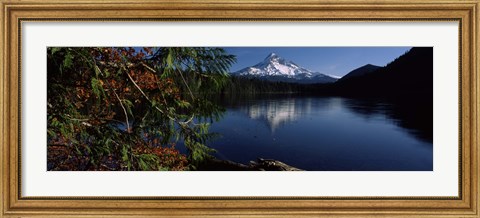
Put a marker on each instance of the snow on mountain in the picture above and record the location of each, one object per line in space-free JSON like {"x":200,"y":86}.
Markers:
{"x":275,"y":68}
{"x":333,"y":76}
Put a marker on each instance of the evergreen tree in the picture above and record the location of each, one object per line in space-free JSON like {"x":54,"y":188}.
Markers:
{"x":121,"y":108}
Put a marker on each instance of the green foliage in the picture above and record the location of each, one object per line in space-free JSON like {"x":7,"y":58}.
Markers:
{"x":68,"y":61}
{"x":97,"y":88}
{"x":120,"y":108}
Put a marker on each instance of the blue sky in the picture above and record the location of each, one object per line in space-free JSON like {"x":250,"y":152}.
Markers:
{"x":336,"y":61}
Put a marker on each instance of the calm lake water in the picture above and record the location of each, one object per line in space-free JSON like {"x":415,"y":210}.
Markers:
{"x":325,"y":133}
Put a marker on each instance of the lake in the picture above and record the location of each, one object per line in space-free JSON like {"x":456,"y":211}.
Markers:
{"x":327,"y":133}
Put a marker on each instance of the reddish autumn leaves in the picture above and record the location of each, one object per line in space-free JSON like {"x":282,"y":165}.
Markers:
{"x":93,"y":89}
{"x":103,"y":102}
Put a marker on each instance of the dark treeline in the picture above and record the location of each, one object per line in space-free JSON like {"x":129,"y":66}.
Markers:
{"x":242,"y":86}
{"x":248,"y":86}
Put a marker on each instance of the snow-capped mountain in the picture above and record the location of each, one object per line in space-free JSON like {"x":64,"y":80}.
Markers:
{"x":275,"y":68}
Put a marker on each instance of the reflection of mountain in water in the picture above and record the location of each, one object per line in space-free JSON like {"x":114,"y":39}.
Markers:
{"x":274,"y":113}
{"x":413,"y":116}
{"x":278,"y":112}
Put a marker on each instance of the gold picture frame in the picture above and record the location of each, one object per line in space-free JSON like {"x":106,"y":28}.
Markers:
{"x":14,"y":12}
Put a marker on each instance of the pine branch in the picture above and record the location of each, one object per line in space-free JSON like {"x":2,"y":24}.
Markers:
{"x":124,"y":111}
{"x":186,"y":84}
{"x":146,"y":97}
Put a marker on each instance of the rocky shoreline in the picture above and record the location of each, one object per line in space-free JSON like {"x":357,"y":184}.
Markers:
{"x":259,"y":165}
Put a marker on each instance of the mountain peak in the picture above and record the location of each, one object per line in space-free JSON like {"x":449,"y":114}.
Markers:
{"x":276,"y":68}
{"x":272,"y":56}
